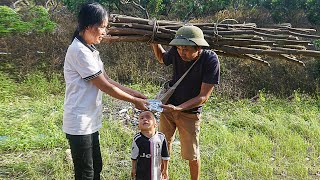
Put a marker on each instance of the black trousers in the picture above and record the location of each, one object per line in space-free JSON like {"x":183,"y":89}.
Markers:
{"x":86,"y":156}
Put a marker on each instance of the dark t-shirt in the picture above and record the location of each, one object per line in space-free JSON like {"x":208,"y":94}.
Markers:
{"x":206,"y":70}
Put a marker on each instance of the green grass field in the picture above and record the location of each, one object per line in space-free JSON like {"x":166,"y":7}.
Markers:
{"x":268,"y":139}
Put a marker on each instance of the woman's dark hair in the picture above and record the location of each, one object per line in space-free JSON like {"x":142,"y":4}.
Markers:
{"x":90,"y":14}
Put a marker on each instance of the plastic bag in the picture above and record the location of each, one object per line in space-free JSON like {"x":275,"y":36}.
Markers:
{"x":165,"y":93}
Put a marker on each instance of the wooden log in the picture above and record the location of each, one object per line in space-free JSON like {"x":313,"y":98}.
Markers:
{"x":298,"y":52}
{"x":132,"y":31}
{"x":294,"y":47}
{"x":245,"y":36}
{"x":246,"y":50}
{"x":277,"y":36}
{"x":225,"y":33}
{"x":291,"y":42}
{"x":110,"y":39}
{"x":292,"y":59}
{"x":301,"y":30}
{"x":246,"y":56}
{"x":259,"y":47}
{"x":257,"y":58}
{"x":116,"y":18}
{"x":305,"y":35}
{"x":125,"y":39}
{"x":243,"y":42}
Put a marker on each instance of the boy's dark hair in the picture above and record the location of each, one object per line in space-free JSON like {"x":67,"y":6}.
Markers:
{"x":90,"y":14}
{"x":150,"y":112}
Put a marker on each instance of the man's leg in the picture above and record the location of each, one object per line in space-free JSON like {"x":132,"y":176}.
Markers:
{"x":189,"y":129}
{"x":194,"y":169}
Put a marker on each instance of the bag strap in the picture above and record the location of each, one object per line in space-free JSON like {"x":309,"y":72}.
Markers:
{"x":170,"y":91}
{"x":181,"y":78}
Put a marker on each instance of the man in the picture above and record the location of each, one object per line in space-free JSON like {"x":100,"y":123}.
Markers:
{"x":183,"y":109}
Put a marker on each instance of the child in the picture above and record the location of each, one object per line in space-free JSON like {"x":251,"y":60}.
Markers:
{"x":149,"y":150}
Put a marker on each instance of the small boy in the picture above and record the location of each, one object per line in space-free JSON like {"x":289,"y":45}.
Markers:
{"x":149,"y":150}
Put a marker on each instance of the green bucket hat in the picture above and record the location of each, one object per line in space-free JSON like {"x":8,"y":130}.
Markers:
{"x":189,"y":36}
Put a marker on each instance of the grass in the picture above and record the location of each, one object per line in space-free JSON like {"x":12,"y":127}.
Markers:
{"x":268,"y":139}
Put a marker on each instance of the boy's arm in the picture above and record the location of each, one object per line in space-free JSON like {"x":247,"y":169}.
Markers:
{"x":134,"y":168}
{"x":165,"y":158}
{"x":164,"y":170}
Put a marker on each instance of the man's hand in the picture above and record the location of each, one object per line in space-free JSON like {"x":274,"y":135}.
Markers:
{"x":170,"y":108}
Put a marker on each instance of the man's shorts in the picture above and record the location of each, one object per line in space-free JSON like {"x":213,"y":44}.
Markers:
{"x":188,"y":126}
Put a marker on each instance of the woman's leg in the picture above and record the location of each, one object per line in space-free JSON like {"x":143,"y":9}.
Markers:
{"x":82,"y":151}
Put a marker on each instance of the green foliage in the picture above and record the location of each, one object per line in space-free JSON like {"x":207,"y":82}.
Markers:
{"x":11,"y":21}
{"x":284,"y":10}
{"x":281,"y":10}
{"x":37,"y":86}
{"x":30,"y":114}
{"x":317,"y":43}
{"x":8,"y":88}
{"x":313,"y":11}
{"x":35,"y":19}
{"x":154,"y":6}
{"x":74,"y":5}
{"x":40,"y":20}
{"x":267,"y":139}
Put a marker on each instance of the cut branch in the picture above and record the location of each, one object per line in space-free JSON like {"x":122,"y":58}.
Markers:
{"x":237,"y":40}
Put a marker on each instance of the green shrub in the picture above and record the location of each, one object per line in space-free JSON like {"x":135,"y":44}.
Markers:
{"x":35,"y":19}
{"x":8,"y":88}
{"x":11,"y":21}
{"x":37,"y":85}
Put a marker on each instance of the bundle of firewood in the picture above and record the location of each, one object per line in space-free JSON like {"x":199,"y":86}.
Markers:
{"x":237,"y":40}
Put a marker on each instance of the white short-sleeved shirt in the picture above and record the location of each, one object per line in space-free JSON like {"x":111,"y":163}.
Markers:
{"x":83,"y":100}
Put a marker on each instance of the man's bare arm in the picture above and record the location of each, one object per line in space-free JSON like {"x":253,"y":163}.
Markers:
{"x":203,"y":96}
{"x":158,"y":52}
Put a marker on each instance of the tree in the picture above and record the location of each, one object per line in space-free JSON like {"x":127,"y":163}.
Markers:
{"x":313,"y":11}
{"x":285,"y":10}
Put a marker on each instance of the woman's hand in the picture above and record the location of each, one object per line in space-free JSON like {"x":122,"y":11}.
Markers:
{"x":138,"y":94}
{"x":141,"y":104}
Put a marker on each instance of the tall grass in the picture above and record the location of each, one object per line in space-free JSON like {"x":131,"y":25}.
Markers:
{"x":268,"y":139}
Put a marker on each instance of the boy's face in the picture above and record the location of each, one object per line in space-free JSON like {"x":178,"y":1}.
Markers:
{"x":147,"y":121}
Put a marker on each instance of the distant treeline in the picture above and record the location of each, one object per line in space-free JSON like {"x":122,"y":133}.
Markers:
{"x":279,"y":10}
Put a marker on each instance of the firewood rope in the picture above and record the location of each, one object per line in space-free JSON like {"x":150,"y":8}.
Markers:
{"x":244,"y":40}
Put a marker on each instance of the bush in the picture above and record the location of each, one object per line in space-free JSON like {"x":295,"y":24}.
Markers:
{"x":36,"y":85}
{"x":35,"y":19}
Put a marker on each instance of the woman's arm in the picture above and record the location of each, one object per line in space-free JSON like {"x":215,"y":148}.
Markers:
{"x":104,"y":85}
{"x":130,"y":91}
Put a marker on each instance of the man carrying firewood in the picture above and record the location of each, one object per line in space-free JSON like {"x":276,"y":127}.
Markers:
{"x":183,"y":109}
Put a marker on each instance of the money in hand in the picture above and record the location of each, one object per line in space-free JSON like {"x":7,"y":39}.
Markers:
{"x":155,"y":105}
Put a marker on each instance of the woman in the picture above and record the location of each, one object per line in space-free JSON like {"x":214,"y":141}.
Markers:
{"x":85,"y":81}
